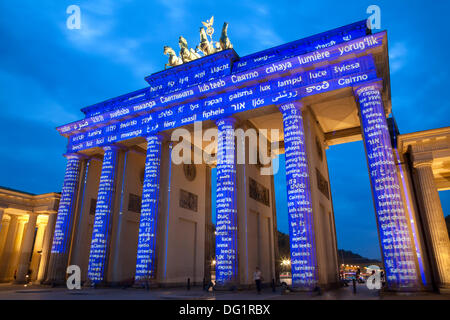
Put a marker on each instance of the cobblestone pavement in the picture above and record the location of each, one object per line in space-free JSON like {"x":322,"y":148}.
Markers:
{"x":38,"y":292}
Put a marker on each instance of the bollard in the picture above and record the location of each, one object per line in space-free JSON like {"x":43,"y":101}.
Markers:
{"x":189,"y":284}
{"x":273,"y":285}
{"x":354,"y":286}
{"x":204,"y":284}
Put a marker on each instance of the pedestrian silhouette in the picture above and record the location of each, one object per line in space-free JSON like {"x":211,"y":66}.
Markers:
{"x":257,"y":276}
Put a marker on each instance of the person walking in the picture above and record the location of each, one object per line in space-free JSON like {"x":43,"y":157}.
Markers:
{"x":257,"y":276}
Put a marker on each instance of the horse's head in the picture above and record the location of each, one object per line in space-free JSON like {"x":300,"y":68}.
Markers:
{"x":225,"y":28}
{"x":168,"y":50}
{"x":182,"y":42}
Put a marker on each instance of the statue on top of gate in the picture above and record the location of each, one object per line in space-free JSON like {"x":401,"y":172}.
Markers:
{"x":204,"y":48}
{"x":186,"y":54}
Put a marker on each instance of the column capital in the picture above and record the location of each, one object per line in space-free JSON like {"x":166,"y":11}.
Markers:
{"x":420,"y":163}
{"x":299,"y":105}
{"x":159,"y":136}
{"x":373,"y":85}
{"x":226,"y":120}
{"x":116,"y":147}
{"x":421,"y":159}
{"x":75,"y":155}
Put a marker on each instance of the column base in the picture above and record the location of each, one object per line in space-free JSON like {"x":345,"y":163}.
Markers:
{"x":146,"y":284}
{"x":57,"y":271}
{"x":406,"y":292}
{"x":403,"y":290}
{"x":444,"y":290}
{"x":226,"y":287}
{"x":21,"y":282}
{"x":303,"y":289}
{"x":6,"y":281}
{"x":53,"y":283}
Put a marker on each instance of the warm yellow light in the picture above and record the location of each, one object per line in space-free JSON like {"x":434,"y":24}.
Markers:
{"x":213,"y":262}
{"x":285,"y":262}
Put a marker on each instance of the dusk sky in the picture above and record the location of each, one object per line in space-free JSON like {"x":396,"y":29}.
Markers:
{"x":48,"y":73}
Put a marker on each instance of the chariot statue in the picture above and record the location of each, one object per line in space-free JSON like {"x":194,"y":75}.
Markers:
{"x":204,"y":48}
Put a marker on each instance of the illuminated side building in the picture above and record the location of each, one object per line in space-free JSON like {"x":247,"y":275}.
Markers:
{"x":26,"y":232}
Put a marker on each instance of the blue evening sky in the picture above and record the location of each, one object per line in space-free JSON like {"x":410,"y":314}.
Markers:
{"x":48,"y":73}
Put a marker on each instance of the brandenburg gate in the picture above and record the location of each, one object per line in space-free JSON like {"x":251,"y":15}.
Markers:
{"x":129,"y":214}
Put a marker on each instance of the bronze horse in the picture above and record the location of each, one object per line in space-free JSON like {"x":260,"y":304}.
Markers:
{"x":173,"y":59}
{"x":224,"y":40}
{"x":186,"y":54}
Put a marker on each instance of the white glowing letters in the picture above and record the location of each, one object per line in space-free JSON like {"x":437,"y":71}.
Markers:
{"x":226,"y":210}
{"x":145,"y":262}
{"x":397,"y":247}
{"x":105,"y":200}
{"x":66,"y":205}
{"x":300,"y":215}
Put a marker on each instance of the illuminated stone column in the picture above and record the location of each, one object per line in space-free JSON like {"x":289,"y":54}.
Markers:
{"x":46,"y":247}
{"x":37,"y":248}
{"x":98,"y":255}
{"x":26,"y":249}
{"x":4,"y":232}
{"x":435,"y":228}
{"x":226,"y":207}
{"x":8,"y":249}
{"x":146,"y":251}
{"x":396,"y":242}
{"x":300,"y":213}
{"x":1,"y":218}
{"x":62,"y":234}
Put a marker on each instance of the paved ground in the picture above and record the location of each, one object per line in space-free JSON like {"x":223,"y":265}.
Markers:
{"x":36,"y":292}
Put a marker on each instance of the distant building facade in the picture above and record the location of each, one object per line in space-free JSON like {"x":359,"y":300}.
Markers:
{"x":26,"y":232}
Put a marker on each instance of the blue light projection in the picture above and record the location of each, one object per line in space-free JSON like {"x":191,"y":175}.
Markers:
{"x":300,"y":213}
{"x":146,"y":251}
{"x":302,"y":46}
{"x":397,"y":247}
{"x":221,"y":64}
{"x":277,"y":91}
{"x":103,"y":210}
{"x":411,"y":219}
{"x":66,"y":205}
{"x":135,"y":106}
{"x":226,"y":210}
